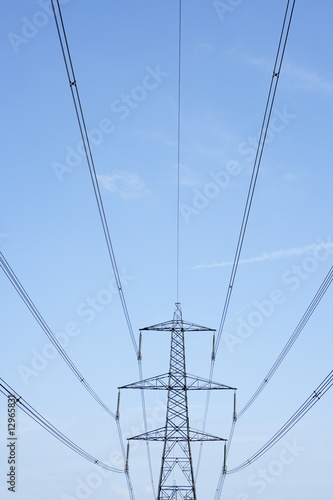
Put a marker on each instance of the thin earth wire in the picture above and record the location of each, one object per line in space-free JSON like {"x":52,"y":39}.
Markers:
{"x":260,"y":148}
{"x":178,"y":142}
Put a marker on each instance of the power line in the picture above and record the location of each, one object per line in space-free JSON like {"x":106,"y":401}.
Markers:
{"x":86,"y":144}
{"x":223,"y":475}
{"x":305,"y":318}
{"x":37,"y":417}
{"x":91,"y":165}
{"x":317,"y":394}
{"x":42,"y":323}
{"x":128,"y":478}
{"x":257,"y":161}
{"x":178,"y":142}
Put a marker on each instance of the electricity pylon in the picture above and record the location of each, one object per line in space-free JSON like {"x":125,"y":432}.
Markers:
{"x":176,"y":476}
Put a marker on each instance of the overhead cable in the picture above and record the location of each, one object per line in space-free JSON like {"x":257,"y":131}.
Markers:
{"x":223,"y":475}
{"x":91,"y":165}
{"x":316,"y":395}
{"x":53,"y":339}
{"x":257,"y":161}
{"x":305,"y":318}
{"x":178,"y":141}
{"x":37,"y":417}
{"x":87,"y":149}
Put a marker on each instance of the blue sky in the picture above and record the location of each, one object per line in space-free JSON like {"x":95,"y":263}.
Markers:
{"x":125,"y":59}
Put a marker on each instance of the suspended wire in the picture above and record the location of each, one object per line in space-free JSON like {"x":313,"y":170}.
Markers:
{"x":42,"y":323}
{"x":177,"y":244}
{"x":305,"y":318}
{"x":204,"y":424}
{"x":314,"y":303}
{"x":143,"y":403}
{"x":257,"y":161}
{"x":128,"y":479}
{"x":222,"y":475}
{"x":34,"y":311}
{"x":178,"y":142}
{"x":90,"y":161}
{"x":86,"y":144}
{"x":260,"y":148}
{"x":296,"y":417}
{"x":37,"y":417}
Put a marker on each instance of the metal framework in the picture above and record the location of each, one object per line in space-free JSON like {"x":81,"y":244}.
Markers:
{"x":176,"y":476}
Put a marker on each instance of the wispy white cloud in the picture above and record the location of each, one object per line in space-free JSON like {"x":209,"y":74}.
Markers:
{"x":127,"y":185}
{"x":203,"y":48}
{"x":295,"y":76}
{"x":279,"y":254}
{"x":259,"y":62}
{"x":306,"y":79}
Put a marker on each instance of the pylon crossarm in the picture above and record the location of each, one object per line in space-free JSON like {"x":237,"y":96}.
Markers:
{"x":186,"y":326}
{"x":160,"y":382}
{"x":165,"y":381}
{"x":193,"y":383}
{"x":155,"y":435}
{"x":196,"y":435}
{"x":176,"y":434}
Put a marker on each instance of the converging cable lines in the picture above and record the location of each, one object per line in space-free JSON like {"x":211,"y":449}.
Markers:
{"x":296,"y":417}
{"x":305,"y":318}
{"x":257,"y":161}
{"x":37,"y":417}
{"x":258,"y":157}
{"x":42,"y":323}
{"x":34,"y":311}
{"x":86,"y":144}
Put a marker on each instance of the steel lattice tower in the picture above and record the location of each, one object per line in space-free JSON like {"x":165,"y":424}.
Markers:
{"x":176,"y":477}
